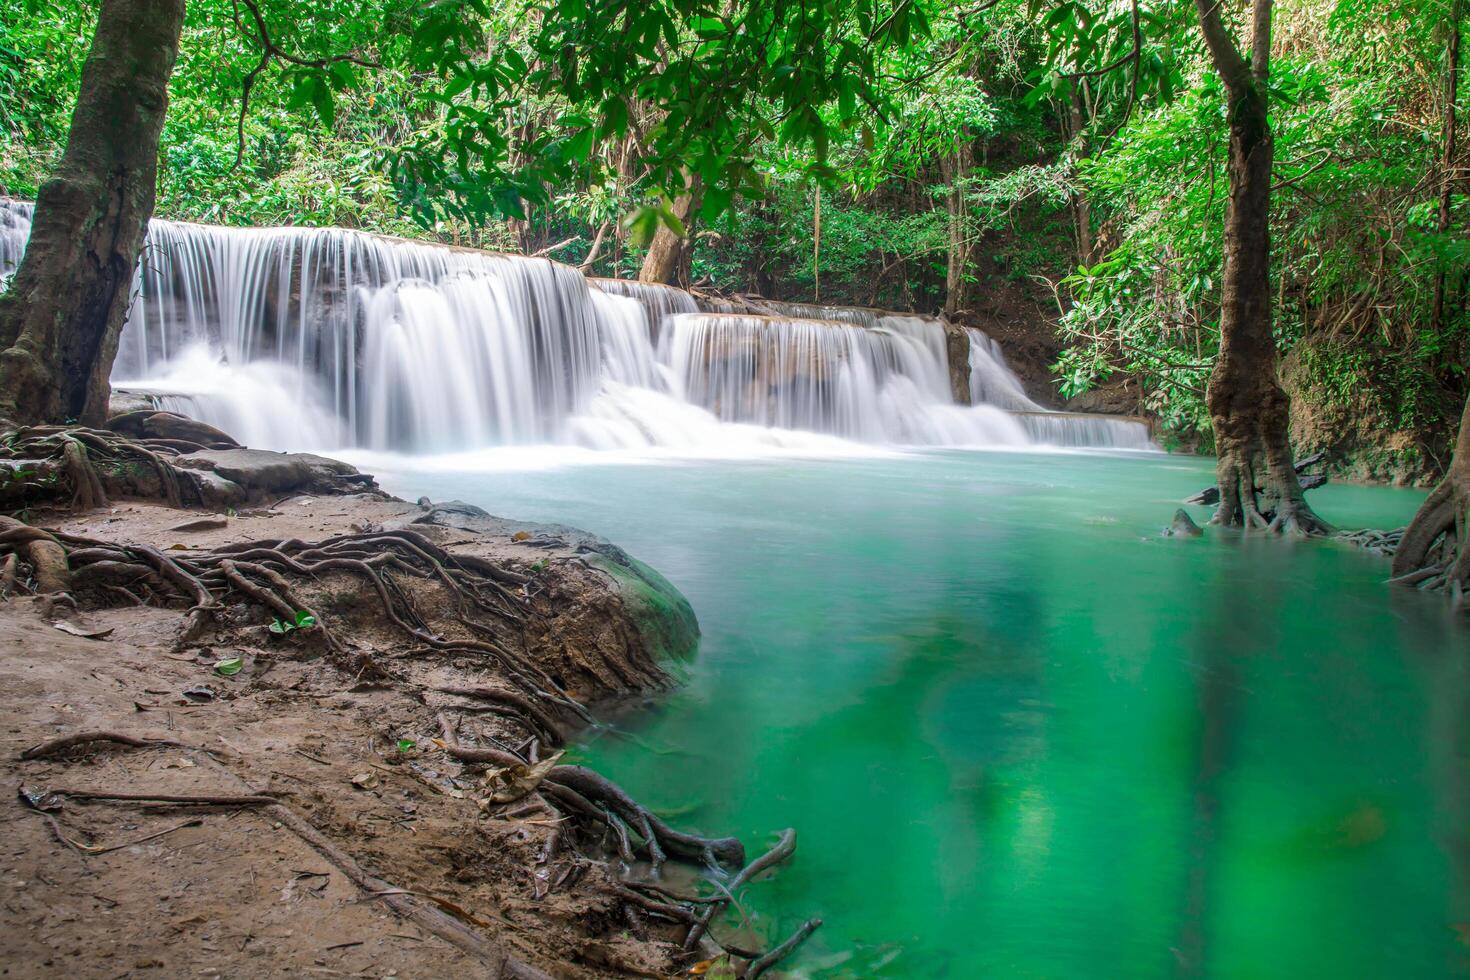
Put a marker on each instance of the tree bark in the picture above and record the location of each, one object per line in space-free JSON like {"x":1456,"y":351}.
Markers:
{"x":956,"y":169}
{"x":1248,"y":408}
{"x":1081,"y":212}
{"x":60,"y":320}
{"x":1437,"y":540}
{"x":665,"y":257}
{"x":1447,"y":186}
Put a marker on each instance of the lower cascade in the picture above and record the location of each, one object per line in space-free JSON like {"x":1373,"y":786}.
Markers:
{"x":322,"y":338}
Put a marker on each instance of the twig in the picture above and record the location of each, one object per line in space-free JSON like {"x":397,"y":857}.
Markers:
{"x":58,"y":745}
{"x":205,"y":800}
{"x":784,"y":950}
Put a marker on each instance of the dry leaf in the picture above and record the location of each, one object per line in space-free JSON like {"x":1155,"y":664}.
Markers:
{"x":513,"y":783}
{"x":85,"y":634}
{"x":365,"y":780}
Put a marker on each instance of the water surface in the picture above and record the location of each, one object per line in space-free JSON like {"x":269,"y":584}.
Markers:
{"x":1021,"y":734}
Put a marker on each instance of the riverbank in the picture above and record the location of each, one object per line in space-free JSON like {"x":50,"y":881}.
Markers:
{"x":377,"y":785}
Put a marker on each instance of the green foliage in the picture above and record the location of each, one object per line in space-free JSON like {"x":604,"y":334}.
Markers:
{"x":302,"y":621}
{"x":229,"y":666}
{"x":852,"y":151}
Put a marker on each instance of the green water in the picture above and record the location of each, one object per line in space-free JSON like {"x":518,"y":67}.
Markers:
{"x":1022,"y":735}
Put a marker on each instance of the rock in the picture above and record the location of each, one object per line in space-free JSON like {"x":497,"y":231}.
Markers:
{"x":209,"y":489}
{"x":1183,"y":526}
{"x":1114,"y":399}
{"x":203,"y":524}
{"x":1208,"y":497}
{"x":167,"y":425}
{"x":124,"y":402}
{"x":259,"y":471}
{"x":451,"y":513}
{"x":150,"y":423}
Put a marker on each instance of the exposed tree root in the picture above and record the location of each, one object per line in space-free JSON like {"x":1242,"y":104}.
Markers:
{"x":403,"y":902}
{"x":782,"y":851}
{"x":262,"y":574}
{"x":47,"y":456}
{"x":190,"y":800}
{"x":597,"y":790}
{"x":784,"y":950}
{"x":1433,"y":552}
{"x":1262,"y":492}
{"x":57,"y":746}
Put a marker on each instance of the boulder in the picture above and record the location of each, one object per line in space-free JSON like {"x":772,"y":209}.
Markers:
{"x":209,"y":489}
{"x":1183,"y":526}
{"x":150,"y":423}
{"x":260,"y":472}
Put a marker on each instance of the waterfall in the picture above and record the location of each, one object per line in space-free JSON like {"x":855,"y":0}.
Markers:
{"x":15,"y":228}
{"x":324,"y":338}
{"x":992,"y":382}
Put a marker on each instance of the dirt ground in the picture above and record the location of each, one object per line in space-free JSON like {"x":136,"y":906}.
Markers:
{"x":151,"y":890}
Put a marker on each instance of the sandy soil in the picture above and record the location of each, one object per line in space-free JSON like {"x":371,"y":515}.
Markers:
{"x":231,"y":891}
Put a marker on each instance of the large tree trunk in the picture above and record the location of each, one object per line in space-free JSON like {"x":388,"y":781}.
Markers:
{"x":1435,"y":549}
{"x":60,"y":321}
{"x":1248,"y":408}
{"x":666,"y":258}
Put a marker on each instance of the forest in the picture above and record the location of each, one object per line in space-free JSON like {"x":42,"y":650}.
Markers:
{"x":889,"y":334}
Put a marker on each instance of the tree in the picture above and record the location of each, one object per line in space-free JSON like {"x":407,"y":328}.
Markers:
{"x":60,"y":320}
{"x":718,"y":78}
{"x":1248,"y":407}
{"x":1435,"y":549}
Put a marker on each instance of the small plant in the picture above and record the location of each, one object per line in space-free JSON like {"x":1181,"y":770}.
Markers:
{"x":303,"y":621}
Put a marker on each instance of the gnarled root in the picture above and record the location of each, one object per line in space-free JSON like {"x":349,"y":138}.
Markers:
{"x":46,"y":555}
{"x":1264,"y":497}
{"x":262,"y":573}
{"x":598,"y":790}
{"x":1434,"y":552}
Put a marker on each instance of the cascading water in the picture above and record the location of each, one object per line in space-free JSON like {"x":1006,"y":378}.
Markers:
{"x":992,"y":382}
{"x":299,"y":338}
{"x":15,"y":228}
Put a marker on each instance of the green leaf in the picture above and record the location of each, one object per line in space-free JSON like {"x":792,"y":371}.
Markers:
{"x":326,"y":109}
{"x":404,"y":744}
{"x":281,"y":628}
{"x":642,"y":224}
{"x":229,"y":666}
{"x":305,"y":620}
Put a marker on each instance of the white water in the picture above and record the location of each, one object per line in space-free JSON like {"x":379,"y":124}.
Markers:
{"x":297,"y":338}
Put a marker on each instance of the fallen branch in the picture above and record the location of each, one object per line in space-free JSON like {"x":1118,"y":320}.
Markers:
{"x":770,"y":959}
{"x":204,"y":800}
{"x":58,"y":745}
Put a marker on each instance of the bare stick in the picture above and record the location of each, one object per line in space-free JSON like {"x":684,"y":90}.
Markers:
{"x":82,"y":794}
{"x":58,"y":745}
{"x":784,"y":950}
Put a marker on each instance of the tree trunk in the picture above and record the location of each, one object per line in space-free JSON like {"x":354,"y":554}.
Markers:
{"x":1447,"y":186}
{"x":665,"y":257}
{"x":1435,"y":549}
{"x":60,"y":321}
{"x":956,"y":170}
{"x":1081,"y":211}
{"x":1248,"y":408}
